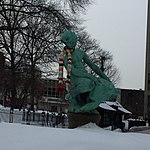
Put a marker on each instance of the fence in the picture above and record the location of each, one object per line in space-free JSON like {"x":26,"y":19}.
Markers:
{"x":41,"y":118}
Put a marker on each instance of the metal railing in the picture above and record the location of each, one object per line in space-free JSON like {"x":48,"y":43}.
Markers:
{"x":40,"y":118}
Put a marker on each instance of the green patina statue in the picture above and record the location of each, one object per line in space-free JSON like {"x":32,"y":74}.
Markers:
{"x":85,"y":91}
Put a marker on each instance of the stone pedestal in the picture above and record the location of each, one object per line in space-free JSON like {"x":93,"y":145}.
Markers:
{"x":78,"y":119}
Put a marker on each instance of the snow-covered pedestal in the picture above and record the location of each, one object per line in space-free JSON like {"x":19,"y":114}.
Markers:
{"x":79,"y":119}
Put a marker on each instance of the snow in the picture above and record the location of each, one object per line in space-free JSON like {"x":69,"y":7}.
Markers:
{"x":106,"y":106}
{"x":15,"y":136}
{"x":124,"y":110}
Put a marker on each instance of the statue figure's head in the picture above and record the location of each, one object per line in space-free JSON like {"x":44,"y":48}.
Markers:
{"x":69,"y":38}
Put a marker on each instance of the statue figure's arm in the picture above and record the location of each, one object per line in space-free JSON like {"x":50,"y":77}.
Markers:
{"x":94,"y":67}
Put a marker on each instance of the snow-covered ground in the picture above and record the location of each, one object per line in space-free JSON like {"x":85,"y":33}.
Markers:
{"x":89,"y":137}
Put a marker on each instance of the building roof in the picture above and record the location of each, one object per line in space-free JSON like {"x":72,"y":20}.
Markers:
{"x":114,"y":106}
{"x":106,"y":106}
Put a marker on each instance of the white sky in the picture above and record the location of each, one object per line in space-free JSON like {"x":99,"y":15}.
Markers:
{"x":120,"y":27}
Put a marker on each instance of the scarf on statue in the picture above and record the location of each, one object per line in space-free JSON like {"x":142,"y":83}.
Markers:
{"x":61,"y":88}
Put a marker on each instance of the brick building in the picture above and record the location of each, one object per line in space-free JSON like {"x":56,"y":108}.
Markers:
{"x":133,"y":100}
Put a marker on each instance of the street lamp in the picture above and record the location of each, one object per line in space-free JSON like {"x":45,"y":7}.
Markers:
{"x":136,"y":104}
{"x":47,"y":87}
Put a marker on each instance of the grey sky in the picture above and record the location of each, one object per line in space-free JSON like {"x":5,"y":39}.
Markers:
{"x":120,"y":27}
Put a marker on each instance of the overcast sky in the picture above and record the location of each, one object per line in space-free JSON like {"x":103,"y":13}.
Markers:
{"x":120,"y":27}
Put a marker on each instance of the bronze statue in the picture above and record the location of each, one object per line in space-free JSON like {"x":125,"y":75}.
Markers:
{"x":85,"y":91}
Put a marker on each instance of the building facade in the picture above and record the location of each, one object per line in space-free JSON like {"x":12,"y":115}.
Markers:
{"x":133,"y":100}
{"x":52,"y":100}
{"x":147,"y":68}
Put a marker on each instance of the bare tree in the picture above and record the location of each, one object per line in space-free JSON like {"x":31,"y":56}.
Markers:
{"x":11,"y":23}
{"x":40,"y":38}
{"x":102,"y":58}
{"x":29,"y":34}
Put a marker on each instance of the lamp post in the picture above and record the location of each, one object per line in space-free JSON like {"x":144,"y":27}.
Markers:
{"x":47,"y":87}
{"x":102,"y":63}
{"x":136,"y":104}
{"x":47,"y":91}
